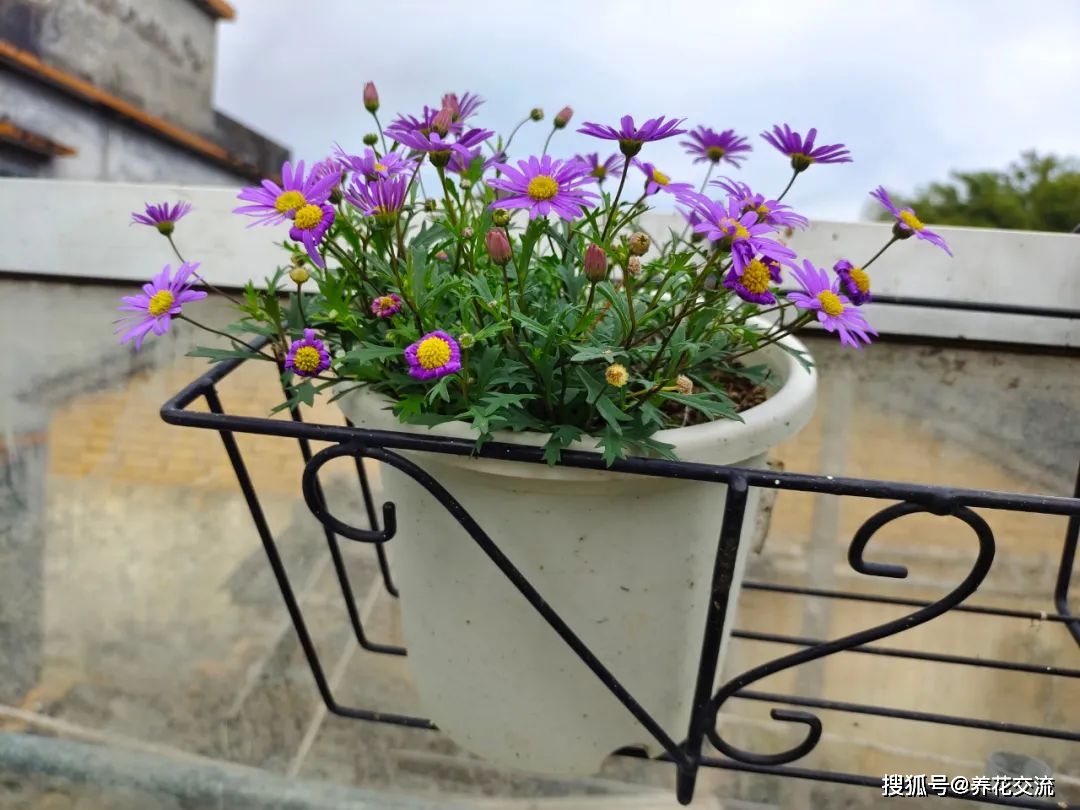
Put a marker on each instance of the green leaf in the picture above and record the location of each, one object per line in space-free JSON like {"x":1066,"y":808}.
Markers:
{"x":368,"y":353}
{"x":611,"y":413}
{"x":618,"y":304}
{"x":704,"y":403}
{"x":593,"y":386}
{"x":586,"y":353}
{"x":217,"y":355}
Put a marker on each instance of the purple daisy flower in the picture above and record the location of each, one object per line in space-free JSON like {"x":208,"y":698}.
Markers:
{"x":461,"y":161}
{"x":371,"y":166}
{"x":310,"y":225}
{"x":739,"y":231}
{"x":436,"y":354}
{"x":907,"y":224}
{"x":711,"y":146}
{"x":163,"y":217}
{"x":543,"y":185}
{"x":630,"y":137}
{"x":159,"y":301}
{"x":308,"y":356}
{"x":754,"y":282}
{"x":771,"y":212}
{"x":656,"y":180}
{"x":386,"y":305}
{"x":381,"y":198}
{"x":802,"y":152}
{"x":600,"y":171}
{"x":854,"y":281}
{"x":440,"y":149}
{"x":410,"y":123}
{"x":273,"y":204}
{"x":834,"y":309}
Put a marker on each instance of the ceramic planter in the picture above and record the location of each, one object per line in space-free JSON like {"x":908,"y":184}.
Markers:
{"x":625,"y":560}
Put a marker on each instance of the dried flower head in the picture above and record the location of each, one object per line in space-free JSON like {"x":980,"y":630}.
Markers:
{"x":616,"y":375}
{"x":684,"y":384}
{"x":633,"y":266}
{"x":638,"y":244}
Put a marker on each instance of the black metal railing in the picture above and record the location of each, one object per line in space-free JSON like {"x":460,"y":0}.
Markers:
{"x":682,"y":747}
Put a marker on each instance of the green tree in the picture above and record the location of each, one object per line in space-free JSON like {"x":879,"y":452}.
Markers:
{"x":1036,"y":193}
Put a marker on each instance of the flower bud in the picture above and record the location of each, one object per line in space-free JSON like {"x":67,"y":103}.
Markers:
{"x":466,"y":232}
{"x":616,"y":375}
{"x":299,"y":275}
{"x":451,"y":103}
{"x":633,"y":266}
{"x":442,"y":256}
{"x":501,"y":217}
{"x":371,"y":139}
{"x":431,"y":205}
{"x":562,"y":117}
{"x":465,"y":183}
{"x":371,"y":97}
{"x":466,"y":340}
{"x":498,"y":247}
{"x":684,"y":384}
{"x":442,"y":121}
{"x":595,"y":263}
{"x":638,"y":243}
{"x":536,"y":114}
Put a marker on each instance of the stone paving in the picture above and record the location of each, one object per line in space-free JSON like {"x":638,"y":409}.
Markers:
{"x":137,"y":610}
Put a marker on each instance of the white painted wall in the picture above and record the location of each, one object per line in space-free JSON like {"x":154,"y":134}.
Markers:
{"x":79,"y":229}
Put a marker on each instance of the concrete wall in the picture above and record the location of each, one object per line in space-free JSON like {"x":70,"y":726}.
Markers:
{"x":989,"y":266}
{"x":130,"y":48}
{"x":106,"y":149}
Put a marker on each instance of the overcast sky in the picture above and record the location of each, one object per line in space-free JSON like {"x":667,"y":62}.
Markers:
{"x":913,"y":88}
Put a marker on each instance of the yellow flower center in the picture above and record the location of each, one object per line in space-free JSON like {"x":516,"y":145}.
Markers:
{"x":308,"y":217}
{"x":289,"y":201}
{"x":659,"y":177}
{"x":912,"y":221}
{"x":830,"y":303}
{"x":160,"y":303}
{"x":386,"y":302}
{"x":762,"y":210}
{"x":861,"y":279}
{"x":432,"y":353}
{"x":542,"y":187}
{"x":736,"y":230}
{"x":307,"y":359}
{"x":755,"y":277}
{"x":380,"y":167}
{"x":715,"y":153}
{"x":599,"y":172}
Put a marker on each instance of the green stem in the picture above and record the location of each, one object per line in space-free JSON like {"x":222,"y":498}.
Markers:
{"x":226,"y":335}
{"x":615,"y":202}
{"x":382,"y":137}
{"x":513,"y":132}
{"x":787,"y":188}
{"x":548,"y":140}
{"x":202,"y":280}
{"x":802,"y":320}
{"x":701,"y":190}
{"x":875,"y":256}
{"x":300,"y":305}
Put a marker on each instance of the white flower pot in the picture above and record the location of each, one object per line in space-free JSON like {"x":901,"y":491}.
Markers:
{"x":625,"y":560}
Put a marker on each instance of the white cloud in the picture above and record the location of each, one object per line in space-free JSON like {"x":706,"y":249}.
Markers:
{"x":914,"y":89}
